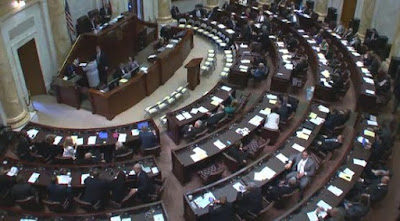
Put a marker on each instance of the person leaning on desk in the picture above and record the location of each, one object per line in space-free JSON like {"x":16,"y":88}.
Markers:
{"x":249,"y":201}
{"x":223,"y":212}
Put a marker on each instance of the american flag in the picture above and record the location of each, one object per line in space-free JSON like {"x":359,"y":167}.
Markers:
{"x":70,"y":25}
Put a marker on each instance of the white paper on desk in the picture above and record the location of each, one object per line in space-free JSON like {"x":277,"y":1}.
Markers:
{"x":335,"y":190}
{"x":33,"y":177}
{"x":83,"y":177}
{"x":169,"y":46}
{"x":286,"y":57}
{"x":57,"y":140}
{"x":79,"y":141}
{"x":364,"y":70}
{"x":219,"y":144}
{"x":266,"y":111}
{"x":202,"y":202}
{"x":230,"y":31}
{"x":324,"y":205}
{"x":306,"y":36}
{"x":158,"y":217}
{"x":307,"y":131}
{"x":186,"y":115}
{"x":256,"y":120}
{"x":32,"y":133}
{"x":209,"y":195}
{"x":126,"y":219}
{"x":317,"y":121}
{"x":284,"y":51}
{"x":321,"y":56}
{"x":362,"y":139}
{"x":194,"y":111}
{"x":245,"y":61}
{"x":312,"y":41}
{"x":82,"y":64}
{"x":244,"y":67}
{"x":287,"y":61}
{"x":280,"y":43}
{"x":154,"y":170}
{"x":92,"y":140}
{"x":115,"y":218}
{"x":199,"y":150}
{"x":289,"y":66}
{"x":369,"y":91}
{"x":152,"y":56}
{"x":368,"y":80}
{"x":272,"y":37}
{"x":359,"y":64}
{"x":351,"y":49}
{"x":302,"y":135}
{"x":312,"y":216}
{"x":144,"y":69}
{"x":63,"y":179}
{"x":356,"y":54}
{"x":180,"y":117}
{"x":239,"y":187}
{"x":203,"y":109}
{"x":372,"y":123}
{"x":13,"y":171}
{"x":326,"y":73}
{"x":258,"y":176}
{"x":135,"y":132}
{"x":146,"y":169}
{"x":298,"y":147}
{"x":344,"y":42}
{"x":359,"y":162}
{"x":272,"y":96}
{"x":217,"y":99}
{"x":300,"y":30}
{"x":267,"y":172}
{"x":282,"y":158}
{"x":122,"y":138}
{"x":226,"y":88}
{"x":243,"y":46}
{"x":131,"y":173}
{"x":221,"y":26}
{"x":348,"y":172}
{"x":324,"y":109}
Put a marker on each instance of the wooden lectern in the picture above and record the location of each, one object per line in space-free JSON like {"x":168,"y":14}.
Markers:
{"x":193,"y":73}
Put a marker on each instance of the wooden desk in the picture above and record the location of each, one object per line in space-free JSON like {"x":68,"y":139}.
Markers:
{"x":175,"y":126}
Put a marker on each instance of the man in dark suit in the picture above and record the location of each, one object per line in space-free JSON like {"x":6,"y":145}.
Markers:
{"x":231,"y":23}
{"x":165,"y":33}
{"x":175,"y":12}
{"x":120,"y":72}
{"x":105,"y":13}
{"x":22,"y":190}
{"x":251,"y":200}
{"x":300,"y":67}
{"x":222,"y":213}
{"x":6,"y":182}
{"x":336,"y":118}
{"x":313,"y":15}
{"x":283,"y":110}
{"x":58,"y":193}
{"x":144,"y":185}
{"x":248,"y":32}
{"x":330,"y":143}
{"x":102,"y":64}
{"x":214,"y":118}
{"x":190,"y":131}
{"x":375,"y":65}
{"x":148,"y":138}
{"x":96,"y":189}
{"x":378,"y":190}
{"x":302,"y":168}
{"x":238,"y":153}
{"x":274,"y":193}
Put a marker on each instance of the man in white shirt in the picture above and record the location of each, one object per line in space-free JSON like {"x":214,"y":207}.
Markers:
{"x":272,"y":121}
{"x":303,"y":168}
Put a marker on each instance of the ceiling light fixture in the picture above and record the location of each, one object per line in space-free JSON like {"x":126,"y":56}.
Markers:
{"x":18,"y":3}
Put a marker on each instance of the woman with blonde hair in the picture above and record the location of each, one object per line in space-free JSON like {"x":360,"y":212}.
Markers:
{"x":69,"y":148}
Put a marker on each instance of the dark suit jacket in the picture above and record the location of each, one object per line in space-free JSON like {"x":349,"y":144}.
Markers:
{"x":120,"y":72}
{"x":58,"y":193}
{"x":231,"y":25}
{"x":148,"y":139}
{"x":309,"y":168}
{"x":237,"y":154}
{"x":195,"y":131}
{"x":118,"y":190}
{"x":250,"y":201}
{"x":276,"y":192}
{"x":104,"y":13}
{"x":96,"y":190}
{"x":330,"y":144}
{"x":214,"y":118}
{"x":144,"y":185}
{"x":377,"y":191}
{"x":334,"y":120}
{"x":283,"y":112}
{"x":247,"y":33}
{"x":221,"y":213}
{"x":374,"y":67}
{"x":102,"y":61}
{"x":6,"y":183}
{"x":22,"y":191}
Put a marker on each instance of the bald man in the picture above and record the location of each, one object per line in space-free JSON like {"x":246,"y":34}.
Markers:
{"x":378,"y":190}
{"x":144,"y":185}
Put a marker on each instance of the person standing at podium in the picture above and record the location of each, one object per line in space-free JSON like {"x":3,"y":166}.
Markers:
{"x":92,"y":73}
{"x":102,"y":64}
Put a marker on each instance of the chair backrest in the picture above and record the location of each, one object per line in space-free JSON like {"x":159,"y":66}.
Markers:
{"x":83,"y":204}
{"x":231,"y":163}
{"x":215,"y":175}
{"x":152,"y":151}
{"x":93,"y":13}
{"x":54,"y":206}
{"x":127,"y":200}
{"x":29,"y":203}
{"x":125,"y":156}
{"x":63,"y":160}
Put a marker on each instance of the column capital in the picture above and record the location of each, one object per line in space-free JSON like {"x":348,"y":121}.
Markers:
{"x":212,"y":4}
{"x":164,"y":12}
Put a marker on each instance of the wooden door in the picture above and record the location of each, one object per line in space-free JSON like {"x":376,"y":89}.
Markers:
{"x":348,"y":10}
{"x":30,"y":66}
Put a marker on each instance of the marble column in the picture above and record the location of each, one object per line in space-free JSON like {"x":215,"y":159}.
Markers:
{"x":265,"y":2}
{"x":118,"y":7}
{"x":15,"y":111}
{"x":321,"y":7}
{"x":164,"y":12}
{"x":366,"y":17}
{"x":212,"y":4}
{"x":395,"y":50}
{"x":59,"y":29}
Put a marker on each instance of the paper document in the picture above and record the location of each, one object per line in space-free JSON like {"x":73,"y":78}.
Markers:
{"x":63,"y":179}
{"x":266,"y":111}
{"x":169,"y":46}
{"x":79,"y":141}
{"x":289,"y":66}
{"x":372,"y":123}
{"x":302,"y":135}
{"x":312,"y":216}
{"x":219,"y":144}
{"x":115,"y":218}
{"x":245,"y":61}
{"x":324,"y":205}
{"x":83,"y":177}
{"x":226,"y":88}
{"x":187,"y":115}
{"x":324,"y":109}
{"x":282,"y":158}
{"x":135,"y":132}
{"x":345,"y":176}
{"x":272,"y":96}
{"x":154,"y":170}
{"x":33,"y":177}
{"x":146,"y":169}
{"x":122,"y":138}
{"x":312,"y":41}
{"x":92,"y":140}
{"x":369,"y":133}
{"x":359,"y":162}
{"x":256,"y":120}
{"x":272,"y":101}
{"x":360,"y":64}
{"x":32,"y":133}
{"x":325,"y":73}
{"x":203,"y":109}
{"x":194,"y":111}
{"x":317,"y":121}
{"x":180,"y":117}
{"x":368,"y":80}
{"x":306,"y":131}
{"x":313,"y":115}
{"x":57,"y":140}
{"x":335,"y":190}
{"x":158,"y":217}
{"x":239,"y":187}
{"x":13,"y":171}
{"x":298,"y":147}
{"x":217,"y":99}
{"x":284,"y":51}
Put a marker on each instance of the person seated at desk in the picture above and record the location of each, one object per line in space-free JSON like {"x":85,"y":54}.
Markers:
{"x":333,"y":60}
{"x":47,"y":149}
{"x":261,"y":18}
{"x":95,"y":23}
{"x":377,"y":150}
{"x":292,"y":43}
{"x":120,"y":72}
{"x":6,"y":182}
{"x":355,"y":42}
{"x":69,"y":148}
{"x":232,"y":23}
{"x":238,"y":153}
{"x":89,"y":159}
{"x":382,"y":83}
{"x":349,"y":34}
{"x":165,"y":33}
{"x":283,"y":110}
{"x":336,"y":118}
{"x":378,"y":189}
{"x":57,"y":192}
{"x":214,"y":118}
{"x":375,"y":65}
{"x":368,"y":57}
{"x":313,"y":15}
{"x":199,"y":12}
{"x":105,"y":12}
{"x":294,"y":20}
{"x":357,"y":210}
{"x":70,"y":71}
{"x":248,"y":33}
{"x":250,"y":200}
{"x":319,"y":37}
{"x":339,"y":29}
{"x":22,"y":189}
{"x":190,"y":131}
{"x":284,"y":187}
{"x":370,"y":40}
{"x":260,"y":73}
{"x":326,"y":143}
{"x":302,"y":168}
{"x":144,"y":186}
{"x":291,"y":103}
{"x":224,"y":212}
{"x":118,"y":187}
{"x":272,"y":121}
{"x":248,"y":14}
{"x":334,"y":214}
{"x":300,"y":67}
{"x":96,"y":189}
{"x":132,"y":65}
{"x":22,"y":147}
{"x":231,"y":108}
{"x":148,"y":138}
{"x":175,"y":12}
{"x":92,"y":73}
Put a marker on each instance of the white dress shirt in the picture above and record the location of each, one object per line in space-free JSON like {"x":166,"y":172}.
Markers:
{"x":301,"y":165}
{"x":272,"y":121}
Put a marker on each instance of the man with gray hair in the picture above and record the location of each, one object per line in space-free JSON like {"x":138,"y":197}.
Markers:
{"x":144,"y":185}
{"x":249,"y":201}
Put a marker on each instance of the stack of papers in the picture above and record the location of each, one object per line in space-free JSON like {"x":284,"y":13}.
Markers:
{"x":154,"y":170}
{"x":243,"y":131}
{"x":282,"y":158}
{"x":157,"y":217}
{"x":239,"y":187}
{"x":256,"y":120}
{"x":347,"y":174}
{"x":186,"y":115}
{"x":13,"y":171}
{"x":57,"y":140}
{"x":324,"y":109}
{"x":180,"y":117}
{"x":33,"y":177}
{"x":83,"y":177}
{"x":226,"y":88}
{"x":199,"y":154}
{"x":92,"y":140}
{"x":359,"y":162}
{"x":135,"y":132}
{"x":298,"y":147}
{"x":63,"y":179}
{"x":369,"y":133}
{"x":32,"y":133}
{"x":317,"y":121}
{"x":302,"y":135}
{"x":335,"y":190}
{"x":122,"y":138}
{"x":203,"y":109}
{"x":264,"y":174}
{"x":266,"y":111}
{"x":219,"y":144}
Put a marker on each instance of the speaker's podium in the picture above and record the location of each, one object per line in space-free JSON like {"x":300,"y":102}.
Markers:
{"x":193,"y":73}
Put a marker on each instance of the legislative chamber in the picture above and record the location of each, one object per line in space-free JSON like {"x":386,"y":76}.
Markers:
{"x":183,"y":110}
